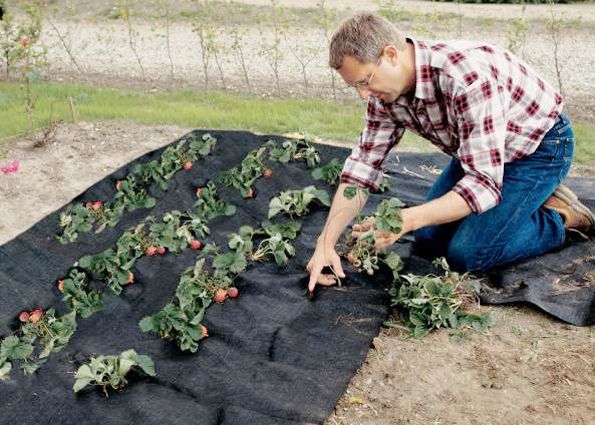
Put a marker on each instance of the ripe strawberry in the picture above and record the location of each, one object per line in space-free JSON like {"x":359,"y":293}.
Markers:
{"x":233,"y":292}
{"x":198,"y":190}
{"x":220,"y":296}
{"x":96,"y":205}
{"x":130,"y":278}
{"x":25,"y":42}
{"x":187,"y":165}
{"x":24,"y":317}
{"x":61,"y":285}
{"x":161,"y":250}
{"x":268,"y":172}
{"x":150,"y":251}
{"x":204,"y":330}
{"x":118,"y":184}
{"x":35,"y":316}
{"x":195,"y":244}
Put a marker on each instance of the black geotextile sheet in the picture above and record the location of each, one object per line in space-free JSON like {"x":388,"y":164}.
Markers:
{"x":272,"y":356}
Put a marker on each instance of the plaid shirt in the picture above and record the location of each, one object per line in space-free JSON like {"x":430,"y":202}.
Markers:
{"x":474,"y":101}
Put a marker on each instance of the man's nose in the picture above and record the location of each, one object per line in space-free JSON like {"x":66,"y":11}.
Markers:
{"x":363,"y":92}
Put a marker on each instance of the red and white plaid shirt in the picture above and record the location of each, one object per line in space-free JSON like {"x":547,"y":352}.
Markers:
{"x":474,"y":101}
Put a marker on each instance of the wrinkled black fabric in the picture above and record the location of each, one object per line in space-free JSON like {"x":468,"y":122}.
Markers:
{"x":272,"y":356}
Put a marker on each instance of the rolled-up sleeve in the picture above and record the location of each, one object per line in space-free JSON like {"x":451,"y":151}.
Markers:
{"x":482,"y":131}
{"x":380,"y":134}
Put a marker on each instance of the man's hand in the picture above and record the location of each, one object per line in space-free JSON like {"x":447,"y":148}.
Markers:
{"x":324,"y":256}
{"x":383,"y":239}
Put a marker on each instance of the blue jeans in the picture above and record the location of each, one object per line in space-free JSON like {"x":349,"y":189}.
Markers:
{"x":516,"y":228}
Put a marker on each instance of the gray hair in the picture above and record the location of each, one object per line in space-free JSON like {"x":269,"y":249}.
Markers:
{"x":363,"y":36}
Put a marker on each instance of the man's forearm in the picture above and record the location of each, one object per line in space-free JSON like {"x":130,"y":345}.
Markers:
{"x":446,"y":209}
{"x":342,"y":213}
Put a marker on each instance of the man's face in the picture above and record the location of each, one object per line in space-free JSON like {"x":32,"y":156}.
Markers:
{"x":380,"y":79}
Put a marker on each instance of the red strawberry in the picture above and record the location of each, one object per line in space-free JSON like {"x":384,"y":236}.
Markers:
{"x":198,"y":190}
{"x":61,"y":285}
{"x":195,"y":244}
{"x":268,"y":172}
{"x":118,"y":184}
{"x":35,"y":316}
{"x":187,"y":165}
{"x":130,"y":278}
{"x":161,"y":250}
{"x":232,"y":292}
{"x":24,"y":317}
{"x":204,"y":330}
{"x":150,"y":251}
{"x":96,"y":205}
{"x":220,"y":296}
{"x":25,"y":41}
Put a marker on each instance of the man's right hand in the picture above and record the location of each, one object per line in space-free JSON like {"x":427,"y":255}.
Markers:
{"x":324,"y":256}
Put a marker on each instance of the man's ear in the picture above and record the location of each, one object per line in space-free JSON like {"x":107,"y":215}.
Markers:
{"x":391,"y":53}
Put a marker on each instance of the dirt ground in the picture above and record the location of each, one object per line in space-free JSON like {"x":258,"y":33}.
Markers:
{"x":530,"y":368}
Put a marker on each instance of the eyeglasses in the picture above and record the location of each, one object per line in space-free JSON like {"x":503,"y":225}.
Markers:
{"x":366,"y":84}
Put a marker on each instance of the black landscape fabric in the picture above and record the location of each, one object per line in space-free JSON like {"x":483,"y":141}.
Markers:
{"x":273,"y":356}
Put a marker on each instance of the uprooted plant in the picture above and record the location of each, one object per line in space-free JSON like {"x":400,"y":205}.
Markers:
{"x":362,"y":253}
{"x":432,"y":301}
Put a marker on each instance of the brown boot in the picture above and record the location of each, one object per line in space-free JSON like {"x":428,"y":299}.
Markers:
{"x":577,"y":216}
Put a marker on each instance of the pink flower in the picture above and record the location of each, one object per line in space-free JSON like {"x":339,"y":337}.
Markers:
{"x":13,"y":167}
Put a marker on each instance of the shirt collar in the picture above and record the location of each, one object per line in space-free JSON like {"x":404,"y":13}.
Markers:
{"x":424,"y":88}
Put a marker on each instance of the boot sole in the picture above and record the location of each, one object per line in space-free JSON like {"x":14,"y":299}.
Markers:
{"x":566,"y":195}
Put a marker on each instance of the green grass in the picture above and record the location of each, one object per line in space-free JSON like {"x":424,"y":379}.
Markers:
{"x":337,"y":121}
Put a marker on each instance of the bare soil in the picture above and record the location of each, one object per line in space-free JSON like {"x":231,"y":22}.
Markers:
{"x":530,"y":368}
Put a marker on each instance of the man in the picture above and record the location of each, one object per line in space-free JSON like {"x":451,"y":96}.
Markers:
{"x":499,"y":200}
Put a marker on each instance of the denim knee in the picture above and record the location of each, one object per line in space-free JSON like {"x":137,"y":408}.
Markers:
{"x":464,"y":256}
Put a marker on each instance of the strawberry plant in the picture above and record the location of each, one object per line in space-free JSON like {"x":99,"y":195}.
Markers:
{"x":287,"y":230}
{"x":296,"y":202}
{"x":209,"y":205}
{"x":78,"y":296}
{"x":243,"y":176}
{"x":176,"y":231}
{"x":431,"y":302}
{"x":277,"y":247}
{"x":151,"y":172}
{"x":131,"y":192}
{"x":76,"y":219}
{"x":330,"y":173}
{"x":180,"y":319}
{"x":52,"y":332}
{"x":242,"y":241}
{"x":111,"y":371}
{"x":229,"y":263}
{"x":294,"y":149}
{"x":106,"y":266}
